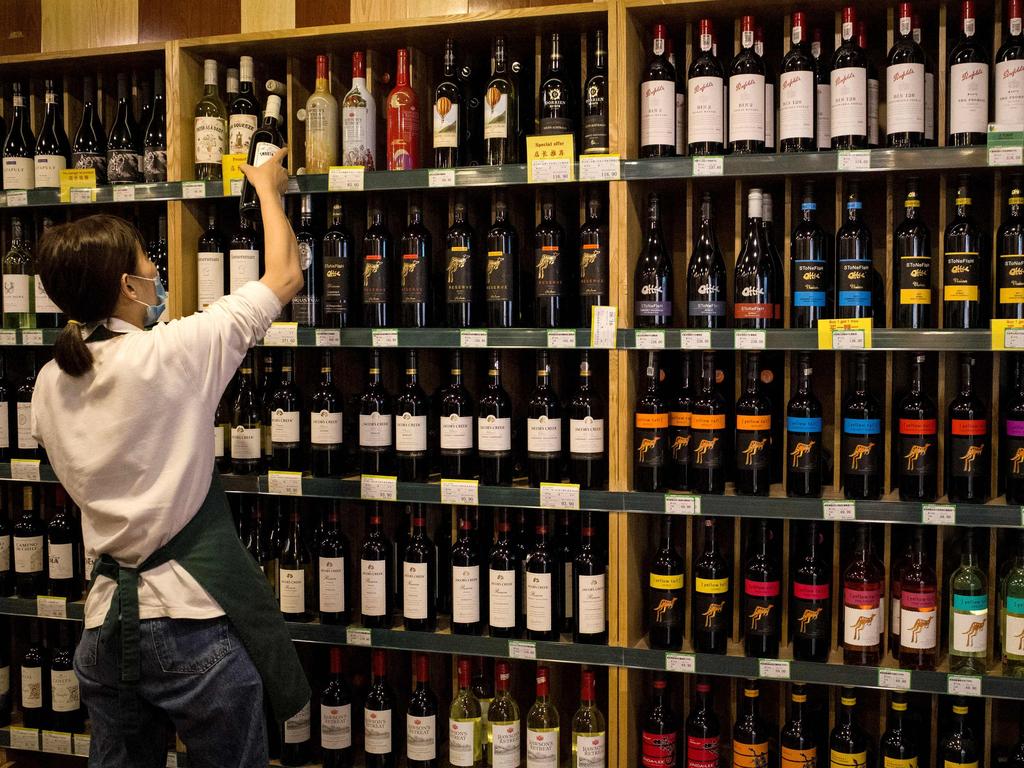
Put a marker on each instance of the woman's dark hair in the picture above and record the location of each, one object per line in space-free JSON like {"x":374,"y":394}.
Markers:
{"x":80,"y":264}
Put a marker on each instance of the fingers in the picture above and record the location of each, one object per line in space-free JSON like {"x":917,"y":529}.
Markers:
{"x":280,"y":155}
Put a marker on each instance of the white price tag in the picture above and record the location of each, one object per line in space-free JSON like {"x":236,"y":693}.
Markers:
{"x":472,"y":338}
{"x":560,"y":495}
{"x":854,"y":160}
{"x":522,"y":649}
{"x":695,"y":339}
{"x":963,"y":685}
{"x":600,"y":167}
{"x":678,"y":504}
{"x":24,"y":738}
{"x":749,"y":339}
{"x":775,"y":669}
{"x":328,"y":337}
{"x":1013,"y":338}
{"x":465,"y":492}
{"x":79,"y":195}
{"x":51,"y":607}
{"x":839,"y":510}
{"x":550,"y":171}
{"x":938,"y":514}
{"x":712,"y":165}
{"x":360,"y":637}
{"x":442,"y":177}
{"x":190,"y":190}
{"x":562,"y":339}
{"x":8,"y":338}
{"x":32,"y":338}
{"x":236,"y":187}
{"x":1005,"y":156}
{"x":17,"y":197}
{"x":384,"y":337}
{"x":603,"y":322}
{"x":650,"y":339}
{"x":284,"y":483}
{"x":894,"y":679}
{"x":681,"y":662}
{"x":282,"y":335}
{"x":57,"y":742}
{"x":124,"y":193}
{"x":172,"y":760}
{"x":25,"y":469}
{"x":83,"y":742}
{"x":378,"y":487}
{"x":345,"y":178}
{"x":848,"y":339}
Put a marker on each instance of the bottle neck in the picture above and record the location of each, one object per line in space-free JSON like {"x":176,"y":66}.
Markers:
{"x":916,"y":384}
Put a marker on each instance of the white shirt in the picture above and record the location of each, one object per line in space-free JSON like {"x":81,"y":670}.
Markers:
{"x":131,"y":440}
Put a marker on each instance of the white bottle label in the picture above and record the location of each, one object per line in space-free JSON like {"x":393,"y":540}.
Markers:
{"x":375,"y":430}
{"x":31,"y":687}
{"x":28,"y":554}
{"x":410,"y":433}
{"x":358,"y":135}
{"x":1012,"y":640}
{"x":245,"y":443}
{"x":373,"y":586}
{"x":590,"y":604}
{"x":769,"y":114}
{"x":284,"y":426}
{"x":849,"y":102}
{"x":918,"y":629}
{"x":494,"y":434}
{"x":264,"y":151}
{"x":872,"y":111}
{"x":377,"y":731}
{"x":505,"y":749}
{"x":421,"y":737}
{"x":415,"y":590}
{"x":591,"y":750}
{"x":43,"y":301}
{"x":456,"y":432}
{"x":17,"y":289}
{"x":657,"y":113}
{"x":5,"y":554}
{"x":210,"y":269}
{"x":904,"y":98}
{"x":325,"y":428}
{"x":968,"y":98}
{"x":5,"y":426}
{"x":446,"y":125}
{"x":292,"y":588}
{"x":19,"y":173}
{"x":543,"y":435}
{"x":25,"y":440}
{"x":586,"y":435}
{"x":332,"y":584}
{"x":863,"y":627}
{"x":542,"y":748}
{"x":296,"y":729}
{"x":1010,"y":92}
{"x":61,"y":561}
{"x":539,"y":600}
{"x":502,"y":594}
{"x":244,"y":266}
{"x":240,"y":131}
{"x":336,"y":726}
{"x":47,"y":170}
{"x":495,"y":114}
{"x":929,"y":106}
{"x":796,"y":105}
{"x":462,"y":742}
{"x":64,"y":691}
{"x":465,"y":594}
{"x":970,"y":631}
{"x":705,"y":110}
{"x":211,"y":139}
{"x":746,"y":108}
{"x":824,"y":116}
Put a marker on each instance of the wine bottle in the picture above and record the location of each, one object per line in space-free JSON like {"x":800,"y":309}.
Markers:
{"x":666,"y":596}
{"x":376,"y":269}
{"x":501,"y":109}
{"x":287,"y":453}
{"x":968,"y":612}
{"x":27,"y":446}
{"x":66,"y":715}
{"x":564,"y":547}
{"x":755,"y":283}
{"x":706,"y":285}
{"x":965,"y":264}
{"x":1008,"y":95}
{"x":589,"y":731}
{"x":244,"y":259}
{"x":403,"y":120}
{"x":593,"y":239}
{"x":414,"y":289}
{"x":321,"y":122}
{"x":822,"y":92}
{"x":768,"y":228}
{"x":375,"y":423}
{"x":959,"y":747}
{"x":968,"y":79}
{"x":210,"y":126}
{"x":549,"y":277}
{"x":898,"y":745}
{"x":455,"y":425}
{"x":90,"y":146}
{"x":804,"y":436}
{"x":811,"y":599}
{"x":863,"y":445}
{"x":246,"y":421}
{"x":336,"y":717}
{"x":124,"y":144}
{"x":769,"y":91}
{"x":874,"y":86}
{"x":899,"y":565}
{"x":63,"y":551}
{"x":912,"y":254}
{"x":211,"y":275}
{"x":798,"y":738}
{"x":296,"y":587}
{"x":863,"y":616}
{"x":326,"y":421}
{"x":29,"y":542}
{"x":587,"y":458}
{"x":650,"y":432}
{"x":467,"y":597}
{"x":52,"y":151}
{"x":503,"y":726}
{"x":494,"y":429}
{"x":505,"y":598}
{"x":1012,"y":614}
{"x":410,"y":410}
{"x":750,"y":732}
{"x":812,"y":285}
{"x":1010,"y":254}
{"x":703,"y":730}
{"x":332,"y":570}
{"x":419,"y":573}
{"x":595,"y":97}
{"x":378,"y":716}
{"x":243,"y":112}
{"x":904,"y":89}
{"x":762,"y":600}
{"x":305,"y":307}
{"x":849,"y":89}
{"x":154,"y":135}
{"x":460,"y":266}
{"x":421,"y":733}
{"x":747,"y":108}
{"x":35,"y":693}
{"x":375,"y":578}
{"x":543,"y":428}
{"x":337,"y":249}
{"x":652,"y":278}
{"x":856,"y":278}
{"x":542,"y":726}
{"x":557,"y":105}
{"x":264,"y":543}
{"x":658,"y":100}
{"x":753,"y":433}
{"x":848,"y":743}
{"x":712,"y":603}
{"x":502,"y":265}
{"x":447,"y":124}
{"x":589,"y":587}
{"x":265,"y":143}
{"x":359,"y":119}
{"x":659,"y":728}
{"x":707,"y":433}
{"x":1012,"y":444}
{"x":797,"y":91}
{"x":18,"y":309}
{"x":680,"y":420}
{"x":19,"y":145}
{"x":231,"y":86}
{"x":968,"y":466}
{"x":919,"y":612}
{"x":705,"y":92}
{"x":917,"y":473}
{"x":268,"y":385}
{"x":542,"y":584}
{"x":6,"y":412}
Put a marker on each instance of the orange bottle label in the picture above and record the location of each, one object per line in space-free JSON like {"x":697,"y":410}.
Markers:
{"x":754,"y":423}
{"x":749,"y":755}
{"x":652,"y":420}
{"x":701,"y":421}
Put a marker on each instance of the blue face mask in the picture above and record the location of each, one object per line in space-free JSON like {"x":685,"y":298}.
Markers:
{"x":154,"y":311}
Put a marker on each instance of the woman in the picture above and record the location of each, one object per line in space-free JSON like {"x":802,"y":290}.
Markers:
{"x":180,"y":624}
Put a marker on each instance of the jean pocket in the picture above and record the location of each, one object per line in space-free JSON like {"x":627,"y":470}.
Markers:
{"x":88,"y":648}
{"x":190,"y":646}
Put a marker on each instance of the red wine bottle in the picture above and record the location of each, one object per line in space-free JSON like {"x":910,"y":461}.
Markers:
{"x":448,"y":109}
{"x":1009,"y":106}
{"x":287,"y":453}
{"x":295,"y":587}
{"x":411,"y":409}
{"x":856,"y":278}
{"x":456,"y":425}
{"x":64,"y":550}
{"x":52,"y":150}
{"x":378,"y":717}
{"x":593,"y":239}
{"x":968,"y":80}
{"x":375,"y":271}
{"x":706,"y":282}
{"x":1012,"y":445}
{"x":543,"y":428}
{"x":494,"y":429}
{"x":557,"y":102}
{"x":505,"y":593}
{"x":375,"y":423}
{"x":753,"y":433}
{"x":912,"y":254}
{"x":849,"y":88}
{"x":959,"y":747}
{"x":797,"y":101}
{"x":90,"y":147}
{"x":543,"y":581}
{"x":863,"y":442}
{"x":904,"y":87}
{"x":1009,"y":261}
{"x":332,"y":570}
{"x":799,"y":738}
{"x":29,"y":543}
{"x":812,"y":286}
{"x":755,"y":284}
{"x":848,"y":743}
{"x":34,"y":672}
{"x":680,"y":419}
{"x":263,"y":145}
{"x":336,"y":717}
{"x":467,"y":597}
{"x":421,"y":742}
{"x":501,"y":279}
{"x":804,"y":436}
{"x":666,"y":597}
{"x":659,"y":728}
{"x":419,"y":573}
{"x":296,"y":742}
{"x":712,"y":596}
{"x":652,"y":278}
{"x":746,"y":95}
{"x":375,"y":576}
{"x":705,"y":86}
{"x":811,"y":598}
{"x":750,"y":733}
{"x":589,"y":587}
{"x":588,"y":463}
{"x":650,"y":433}
{"x":703,"y":730}
{"x":966,"y":257}
{"x":549,"y":267}
{"x":707,"y":433}
{"x":66,"y":713}
{"x":762,"y":595}
{"x":338,"y":249}
{"x":658,"y":100}
{"x":460,"y":266}
{"x":414,"y":283}
{"x":917,"y":470}
{"x":326,"y":421}
{"x":968,"y":450}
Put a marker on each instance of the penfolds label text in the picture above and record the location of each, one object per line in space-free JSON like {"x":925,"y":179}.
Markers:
{"x":842,"y":79}
{"x":971,"y":74}
{"x":742,"y":85}
{"x":1013,"y":71}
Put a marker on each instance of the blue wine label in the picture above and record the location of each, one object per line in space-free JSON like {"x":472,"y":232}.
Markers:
{"x":803,"y":423}
{"x":972,"y":602}
{"x":1015,"y":605}
{"x":862,"y":426}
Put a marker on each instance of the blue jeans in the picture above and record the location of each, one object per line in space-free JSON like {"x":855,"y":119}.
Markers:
{"x":196,"y":678}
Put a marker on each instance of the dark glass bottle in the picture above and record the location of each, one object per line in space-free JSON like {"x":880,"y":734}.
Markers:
{"x":505,"y":582}
{"x":768,"y":227}
{"x":899,"y":745}
{"x":848,"y":743}
{"x":659,"y":728}
{"x":799,"y":737}
{"x":703,"y":730}
{"x":375,"y":423}
{"x":811,"y":275}
{"x":751,"y":736}
{"x":968,"y":450}
{"x":912,"y":270}
{"x":26,"y":446}
{"x":419,"y":572}
{"x":968,"y":78}
{"x":212,"y":279}
{"x":965,"y":265}
{"x":456,"y":428}
{"x":422,"y":715}
{"x":762,"y":595}
{"x":306,"y":309}
{"x":862,"y":619}
{"x":706,"y":108}
{"x":448,"y":113}
{"x":918,"y":444}
{"x":501,"y":129}
{"x":90,"y":146}
{"x":414,"y":282}
{"x":154,"y":138}
{"x":652,"y":277}
{"x":66,"y":714}
{"x":500,"y":282}
{"x":467,"y":596}
{"x":287,"y":452}
{"x":680,"y":420}
{"x":1010,"y":255}
{"x":804,"y":436}
{"x":543,"y":583}
{"x":797,"y":102}
{"x":1008,"y":58}
{"x":549,"y":267}
{"x":595,"y":97}
{"x":124,"y":144}
{"x":589,"y":586}
{"x":959,"y":747}
{"x":706,"y":281}
{"x":264,"y":144}
{"x":588,"y":462}
{"x":326,"y":422}
{"x":336,"y":716}
{"x":666,"y":596}
{"x":375,"y":575}
{"x":849,"y":88}
{"x":811,"y":599}
{"x":650,"y":432}
{"x":863,"y":446}
{"x":919,"y":612}
{"x":7,"y":410}
{"x":543,"y":428}
{"x":376,"y":269}
{"x":564,"y":557}
{"x":856,"y":278}
{"x":29,"y":543}
{"x":64,"y":551}
{"x":19,"y":144}
{"x":244,"y":257}
{"x":459,"y":260}
{"x":379,"y":716}
{"x":337,"y":250}
{"x":35,"y":693}
{"x":295,"y":587}
{"x":52,"y":151}
{"x":557,"y":102}
{"x":494,"y":429}
{"x":707,"y":433}
{"x":753,"y":433}
{"x":243,"y":109}
{"x":246,"y":421}
{"x":712,"y":596}
{"x":332,"y":570}
{"x":411,"y":413}
{"x":593,"y":239}
{"x":1012,"y":446}
{"x":755,"y":284}
{"x":658,"y":99}
{"x":904,"y":96}
{"x":747,"y":106}
{"x":443,"y":546}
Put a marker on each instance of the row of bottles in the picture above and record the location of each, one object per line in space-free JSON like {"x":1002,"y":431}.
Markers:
{"x":49,"y":696}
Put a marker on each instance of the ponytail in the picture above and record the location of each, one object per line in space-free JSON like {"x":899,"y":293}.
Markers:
{"x":71,"y":352}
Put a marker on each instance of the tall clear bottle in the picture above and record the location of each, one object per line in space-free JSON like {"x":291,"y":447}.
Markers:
{"x":359,"y":119}
{"x":210,"y":126}
{"x":321,"y":122}
{"x":969,"y":615}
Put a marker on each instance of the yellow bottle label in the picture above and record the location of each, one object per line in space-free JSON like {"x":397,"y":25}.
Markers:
{"x":799,"y":758}
{"x":666,"y":582}
{"x":961,"y":293}
{"x":951,"y":764}
{"x":915,"y":296}
{"x":712,"y":586}
{"x":895,"y":762}
{"x":848,"y":759}
{"x":749,"y":755}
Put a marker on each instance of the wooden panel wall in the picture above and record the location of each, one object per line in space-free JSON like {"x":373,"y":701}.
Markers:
{"x":76,"y":24}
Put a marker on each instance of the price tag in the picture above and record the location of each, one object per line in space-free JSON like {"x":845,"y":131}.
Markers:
{"x":284,"y":483}
{"x":441,"y":177}
{"x":1005,"y":147}
{"x":17,"y":198}
{"x":80,"y":196}
{"x":32,"y":338}
{"x":695,"y":339}
{"x":360,"y":637}
{"x":83,"y":742}
{"x":562,"y":339}
{"x":124,"y":193}
{"x":51,"y":607}
{"x":77,"y":178}
{"x":749,"y":339}
{"x":839,"y":510}
{"x":522,"y":649}
{"x":465,"y":492}
{"x":25,"y":469}
{"x":231,"y":173}
{"x":681,"y":662}
{"x":963,"y":685}
{"x":773,"y":668}
{"x":57,"y":742}
{"x":679,"y":504}
{"x":472,"y":338}
{"x":894,"y":679}
{"x":1007,"y":334}
{"x":560,"y":495}
{"x":378,"y":487}
{"x":24,"y":738}
{"x":998,"y":156}
{"x":236,"y":188}
{"x":9,"y":338}
{"x":938,"y":514}
{"x":844,"y":334}
{"x":172,"y":760}
{"x":328,"y":337}
{"x":191,"y":190}
{"x":603,"y":322}
{"x":282,"y":335}
{"x":712,"y":165}
{"x":854,"y":160}
{"x":600,"y":167}
{"x":650,"y":339}
{"x":345,"y":178}
{"x":384,"y":337}
{"x":549,"y":158}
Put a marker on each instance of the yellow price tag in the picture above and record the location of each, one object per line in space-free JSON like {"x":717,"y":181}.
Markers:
{"x":845,"y":334}
{"x":232,"y":173}
{"x":550,"y":158}
{"x":1007,"y":335}
{"x":77,"y":178}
